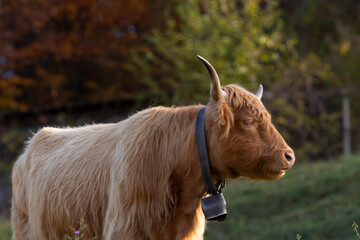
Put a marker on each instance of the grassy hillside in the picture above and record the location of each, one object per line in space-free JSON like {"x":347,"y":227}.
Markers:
{"x":317,"y":200}
{"x":5,"y":229}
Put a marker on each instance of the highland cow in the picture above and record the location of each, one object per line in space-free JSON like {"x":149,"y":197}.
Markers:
{"x":140,"y":178}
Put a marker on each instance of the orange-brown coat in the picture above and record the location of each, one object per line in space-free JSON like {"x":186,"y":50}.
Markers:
{"x":140,"y":178}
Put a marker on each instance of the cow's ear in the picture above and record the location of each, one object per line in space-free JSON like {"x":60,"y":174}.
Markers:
{"x":216,"y":92}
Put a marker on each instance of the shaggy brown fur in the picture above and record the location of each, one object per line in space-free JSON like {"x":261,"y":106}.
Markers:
{"x":140,"y":178}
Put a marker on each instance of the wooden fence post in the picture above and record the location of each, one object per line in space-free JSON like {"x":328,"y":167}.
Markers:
{"x":346,"y":126}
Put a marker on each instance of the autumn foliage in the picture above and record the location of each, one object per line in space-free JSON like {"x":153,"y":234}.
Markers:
{"x":59,"y":51}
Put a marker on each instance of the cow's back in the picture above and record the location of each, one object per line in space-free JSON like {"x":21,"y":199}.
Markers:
{"x":63,"y":176}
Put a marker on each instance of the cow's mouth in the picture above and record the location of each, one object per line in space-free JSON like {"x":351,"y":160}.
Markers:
{"x":275,"y":175}
{"x":282,"y":172}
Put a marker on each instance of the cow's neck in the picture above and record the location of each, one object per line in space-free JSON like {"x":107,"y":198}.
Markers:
{"x":189,"y":189}
{"x":188,"y":220}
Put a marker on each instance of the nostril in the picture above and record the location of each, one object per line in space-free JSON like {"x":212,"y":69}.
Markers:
{"x":289,"y":156}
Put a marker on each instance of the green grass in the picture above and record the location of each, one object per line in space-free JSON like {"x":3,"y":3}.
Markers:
{"x":5,"y":229}
{"x":314,"y":200}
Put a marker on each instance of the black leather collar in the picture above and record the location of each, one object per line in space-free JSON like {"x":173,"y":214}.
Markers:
{"x":203,"y":154}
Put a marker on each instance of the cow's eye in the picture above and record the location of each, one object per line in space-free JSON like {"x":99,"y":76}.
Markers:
{"x":248,"y":122}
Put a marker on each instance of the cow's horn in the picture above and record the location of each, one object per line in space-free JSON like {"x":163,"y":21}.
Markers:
{"x":215,"y":90}
{"x":259,"y":92}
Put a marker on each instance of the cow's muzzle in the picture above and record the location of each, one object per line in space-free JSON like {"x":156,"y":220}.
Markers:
{"x":289,"y":159}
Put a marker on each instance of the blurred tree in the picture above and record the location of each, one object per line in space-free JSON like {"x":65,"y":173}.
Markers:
{"x":239,"y":41}
{"x":331,"y":29}
{"x":246,"y":43}
{"x":55,"y":52}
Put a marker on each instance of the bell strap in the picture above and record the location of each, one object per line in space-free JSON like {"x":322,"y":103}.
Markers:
{"x":203,"y":152}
